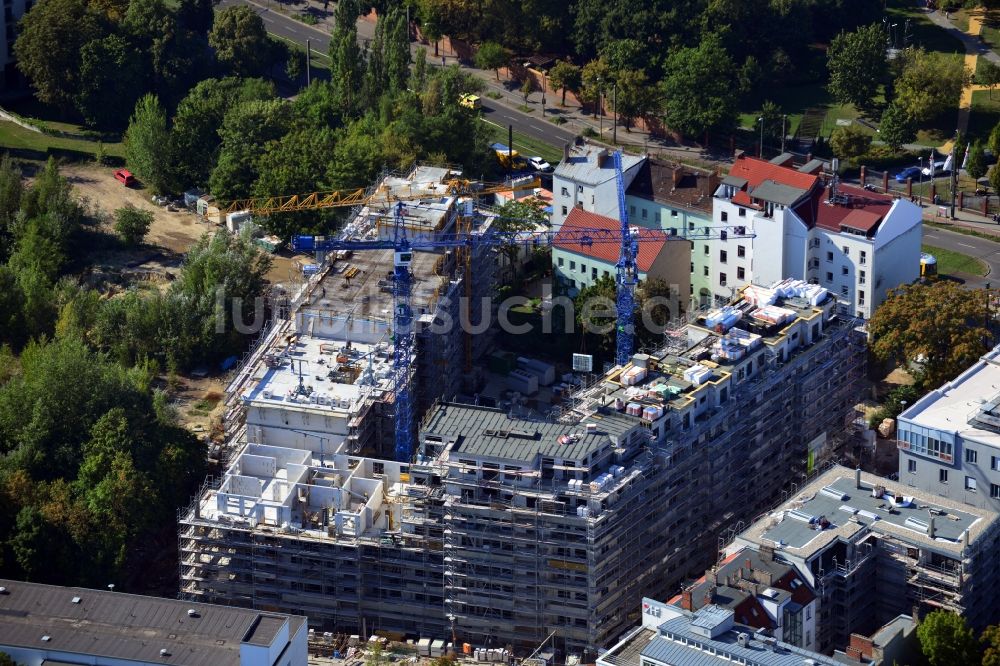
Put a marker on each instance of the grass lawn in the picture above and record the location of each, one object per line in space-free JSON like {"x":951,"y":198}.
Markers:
{"x":923,"y":32}
{"x":985,"y":113}
{"x":991,"y":30}
{"x":524,"y":144}
{"x":950,"y":262}
{"x":961,"y":19}
{"x":35,"y":145}
{"x":795,"y":100}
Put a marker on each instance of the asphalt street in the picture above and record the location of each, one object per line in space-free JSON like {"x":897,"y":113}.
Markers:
{"x":986,"y":250}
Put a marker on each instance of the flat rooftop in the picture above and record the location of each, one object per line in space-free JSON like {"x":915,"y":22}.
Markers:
{"x":320,"y":374}
{"x":492,"y":433}
{"x":130,"y":627}
{"x":796,"y":527}
{"x":952,"y":407}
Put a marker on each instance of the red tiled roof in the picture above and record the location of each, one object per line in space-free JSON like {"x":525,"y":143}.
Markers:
{"x":650,"y":243}
{"x":863,"y":211}
{"x":756,"y":171}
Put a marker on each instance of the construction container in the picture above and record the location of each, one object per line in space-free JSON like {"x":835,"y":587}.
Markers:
{"x":545,"y":372}
{"x":437,"y":648}
{"x":236,"y":221}
{"x":424,"y":647}
{"x":523,"y":382}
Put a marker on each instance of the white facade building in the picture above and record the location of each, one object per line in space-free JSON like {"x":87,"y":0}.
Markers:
{"x":585,"y":178}
{"x":857,"y":244}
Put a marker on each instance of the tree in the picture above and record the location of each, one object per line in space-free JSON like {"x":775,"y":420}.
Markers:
{"x":976,"y":164}
{"x":245,"y":132}
{"x":937,"y":328}
{"x":771,"y":113}
{"x":991,"y":640}
{"x":113,"y":75}
{"x":346,"y":61}
{"x":994,"y":175}
{"x":896,"y":127}
{"x":850,"y":142}
{"x":699,"y":89}
{"x":929,"y":84}
{"x":595,"y":77}
{"x":197,"y":15}
{"x":945,"y":639}
{"x":988,"y":74}
{"x":565,"y":76}
{"x":857,"y":65}
{"x":491,"y":55}
{"x":430,"y":21}
{"x":636,"y":98}
{"x":527,"y":87}
{"x":52,"y":37}
{"x":994,"y":141}
{"x":240,"y":41}
{"x":132,"y":224}
{"x":145,"y":143}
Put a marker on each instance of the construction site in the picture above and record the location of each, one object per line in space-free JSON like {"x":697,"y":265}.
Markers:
{"x":874,"y":549}
{"x":514,"y":527}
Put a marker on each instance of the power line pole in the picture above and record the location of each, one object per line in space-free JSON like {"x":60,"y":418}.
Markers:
{"x":954,"y":174}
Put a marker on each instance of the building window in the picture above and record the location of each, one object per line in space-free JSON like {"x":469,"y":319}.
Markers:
{"x":843,"y":270}
{"x":847,"y":251}
{"x":994,"y":491}
{"x":673,"y":213}
{"x":583,"y":268}
{"x":706,"y":250}
{"x":607,"y":274}
{"x":645,"y":213}
{"x":564,"y":210}
{"x":943,"y":475}
{"x":861,"y":277}
{"x":740,"y":273}
{"x":862,"y":259}
{"x":725,"y":216}
{"x":829,"y":277}
{"x":579,"y":188}
{"x":565,"y":192}
{"x":911,"y":466}
{"x":560,"y":261}
{"x":593,"y":273}
{"x":995,"y":463}
{"x":843,"y":291}
{"x":743,"y":212}
{"x":723,"y":255}
{"x":723,"y":235}
{"x":829,"y":257}
{"x":692,"y":267}
{"x":631,"y":211}
{"x":722,"y":279}
{"x":657,"y":216}
{"x":691,"y":224}
{"x":741,"y":251}
{"x":970,"y":484}
{"x":572,"y":265}
{"x":861,"y":298}
{"x":971,"y":456}
{"x":704,"y":270}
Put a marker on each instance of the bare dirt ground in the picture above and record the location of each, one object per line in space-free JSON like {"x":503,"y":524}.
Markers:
{"x":172,"y":233}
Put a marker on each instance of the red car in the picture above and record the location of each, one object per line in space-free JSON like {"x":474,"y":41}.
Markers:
{"x":125,"y":177}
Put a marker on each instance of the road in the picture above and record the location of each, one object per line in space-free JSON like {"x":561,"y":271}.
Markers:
{"x":287,"y":28}
{"x":986,"y":250}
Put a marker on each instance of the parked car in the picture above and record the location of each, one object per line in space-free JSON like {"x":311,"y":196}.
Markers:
{"x":470,"y":101}
{"x":908,"y":172}
{"x":125,"y":177}
{"x":538,"y":164}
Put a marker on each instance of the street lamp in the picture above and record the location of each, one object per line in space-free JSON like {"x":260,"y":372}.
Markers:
{"x":784,"y":119}
{"x":760,"y":152}
{"x":921,"y":178}
{"x":614,"y":117}
{"x":600,"y":107}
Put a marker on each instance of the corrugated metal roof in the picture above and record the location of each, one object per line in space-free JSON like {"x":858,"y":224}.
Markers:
{"x":491,"y":433}
{"x":125,"y":626}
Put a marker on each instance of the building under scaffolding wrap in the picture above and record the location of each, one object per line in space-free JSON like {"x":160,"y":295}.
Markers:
{"x":510,"y":526}
{"x":873,"y":549}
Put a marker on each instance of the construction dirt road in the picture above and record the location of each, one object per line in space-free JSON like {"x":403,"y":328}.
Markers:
{"x":172,"y":232}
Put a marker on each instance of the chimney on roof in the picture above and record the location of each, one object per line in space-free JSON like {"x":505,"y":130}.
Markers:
{"x":686,"y":603}
{"x":601,"y":154}
{"x":566,"y":150}
{"x":678,"y":175}
{"x":931,"y":532}
{"x":965,"y":537}
{"x":767,"y":553}
{"x":749,"y":564}
{"x":857,"y":477}
{"x":783,"y":160}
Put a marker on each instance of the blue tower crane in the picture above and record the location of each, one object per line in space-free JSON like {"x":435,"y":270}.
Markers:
{"x":627,"y":274}
{"x":403,"y":334}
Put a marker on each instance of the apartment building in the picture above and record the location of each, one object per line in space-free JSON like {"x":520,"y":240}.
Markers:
{"x":585,"y":178}
{"x":668,"y":195}
{"x":13,"y":10}
{"x":577,"y":266}
{"x":949,"y":440}
{"x":49,"y":624}
{"x":855,"y":243}
{"x":874,"y":549}
{"x":511,"y":525}
{"x":762,"y":593}
{"x":671,"y":636}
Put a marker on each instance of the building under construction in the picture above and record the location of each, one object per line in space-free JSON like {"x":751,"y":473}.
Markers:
{"x":513,"y":527}
{"x":874,"y":549}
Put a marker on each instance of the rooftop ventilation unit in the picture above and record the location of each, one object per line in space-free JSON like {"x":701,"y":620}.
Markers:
{"x":836,"y":494}
{"x":192,"y":612}
{"x":164,"y":652}
{"x":46,"y":638}
{"x":798,"y":514}
{"x":916,"y":524}
{"x":76,"y":600}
